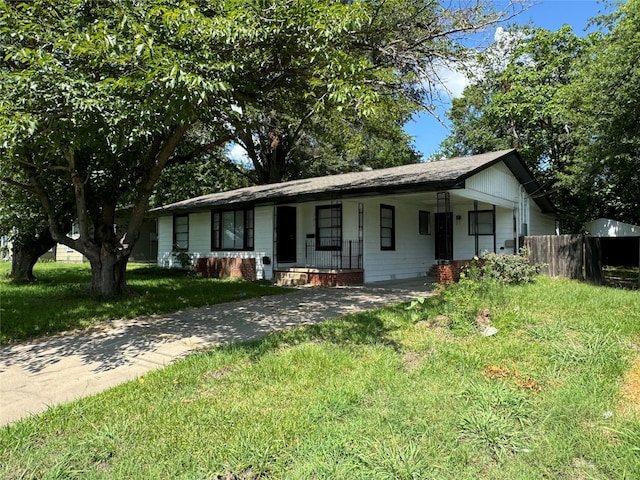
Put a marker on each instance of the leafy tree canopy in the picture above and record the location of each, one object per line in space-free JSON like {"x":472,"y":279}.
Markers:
{"x":570,"y":105}
{"x":513,"y":102}
{"x":108,"y":93}
{"x":603,"y":104}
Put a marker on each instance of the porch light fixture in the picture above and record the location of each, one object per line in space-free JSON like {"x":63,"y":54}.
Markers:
{"x":458,"y":219}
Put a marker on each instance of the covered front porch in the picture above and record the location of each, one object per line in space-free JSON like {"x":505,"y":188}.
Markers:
{"x":393,"y":236}
{"x":338,"y":266}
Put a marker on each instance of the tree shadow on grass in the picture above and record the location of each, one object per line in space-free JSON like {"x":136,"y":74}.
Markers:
{"x":122,"y":342}
{"x":366,"y":328}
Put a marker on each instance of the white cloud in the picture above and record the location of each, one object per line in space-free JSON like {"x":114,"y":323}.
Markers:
{"x":453,"y":82}
{"x":503,"y":48}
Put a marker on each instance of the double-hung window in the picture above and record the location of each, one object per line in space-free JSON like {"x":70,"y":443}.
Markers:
{"x":329,"y":227}
{"x":424,"y":222}
{"x":485,"y":221}
{"x":181,"y":232}
{"x":387,"y":227}
{"x":232,"y":229}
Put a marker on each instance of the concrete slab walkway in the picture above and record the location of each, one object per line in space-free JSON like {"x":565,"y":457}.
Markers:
{"x":45,"y":372}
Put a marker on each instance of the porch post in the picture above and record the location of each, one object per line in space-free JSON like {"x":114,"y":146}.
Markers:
{"x":494,"y":229}
{"x":475,"y":227}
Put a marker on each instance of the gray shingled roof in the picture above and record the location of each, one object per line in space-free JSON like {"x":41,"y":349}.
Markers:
{"x":430,"y":176}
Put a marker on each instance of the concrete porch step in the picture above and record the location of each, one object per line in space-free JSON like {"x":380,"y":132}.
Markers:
{"x":288,"y":278}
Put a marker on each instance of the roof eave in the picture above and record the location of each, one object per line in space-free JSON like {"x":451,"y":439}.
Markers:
{"x":315,"y":196}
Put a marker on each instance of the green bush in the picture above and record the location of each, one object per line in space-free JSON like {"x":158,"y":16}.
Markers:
{"x":509,"y":269}
{"x":479,"y":285}
{"x":183,"y":258}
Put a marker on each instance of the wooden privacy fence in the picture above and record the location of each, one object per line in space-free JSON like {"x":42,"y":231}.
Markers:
{"x":563,"y":254}
{"x":579,"y":257}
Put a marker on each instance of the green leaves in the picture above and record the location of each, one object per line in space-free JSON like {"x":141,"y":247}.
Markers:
{"x":106,"y":94}
{"x":603,"y":101}
{"x":570,"y":105}
{"x":517,"y":103}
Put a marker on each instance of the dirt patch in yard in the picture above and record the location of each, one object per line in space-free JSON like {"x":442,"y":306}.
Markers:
{"x":439,"y":321}
{"x":412,"y":361}
{"x":631,"y":389}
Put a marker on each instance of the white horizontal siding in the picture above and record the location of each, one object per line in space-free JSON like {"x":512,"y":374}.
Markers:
{"x":165,"y":240}
{"x":496,"y":181}
{"x":540,"y":224}
{"x":414,"y":253}
{"x":263,"y":240}
{"x":200,"y":234}
{"x":64,"y":254}
{"x":200,"y":240}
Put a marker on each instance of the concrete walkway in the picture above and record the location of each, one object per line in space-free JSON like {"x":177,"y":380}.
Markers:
{"x":53,"y":370}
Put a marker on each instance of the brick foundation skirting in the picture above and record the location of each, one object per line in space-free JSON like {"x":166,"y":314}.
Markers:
{"x":335,"y":279}
{"x":244,"y":268}
{"x":450,"y":272}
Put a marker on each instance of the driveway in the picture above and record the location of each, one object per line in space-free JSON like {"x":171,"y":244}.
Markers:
{"x":45,"y":372}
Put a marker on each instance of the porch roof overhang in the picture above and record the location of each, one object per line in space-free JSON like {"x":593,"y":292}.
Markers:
{"x":421,"y":177}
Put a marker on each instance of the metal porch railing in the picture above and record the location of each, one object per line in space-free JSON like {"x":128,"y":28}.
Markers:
{"x":347,"y":256}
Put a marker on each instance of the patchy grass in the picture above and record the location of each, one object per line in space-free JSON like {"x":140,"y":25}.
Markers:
{"x":58,"y":300}
{"x":387,"y":394}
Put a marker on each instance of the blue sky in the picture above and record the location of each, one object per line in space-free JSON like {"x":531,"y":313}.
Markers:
{"x":549,"y":14}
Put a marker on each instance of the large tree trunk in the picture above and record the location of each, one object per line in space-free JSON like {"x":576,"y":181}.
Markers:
{"x":108,"y":274}
{"x":25,"y":254}
{"x":22,"y":262}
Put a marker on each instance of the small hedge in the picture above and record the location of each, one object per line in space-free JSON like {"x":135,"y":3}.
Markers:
{"x":508,"y":269}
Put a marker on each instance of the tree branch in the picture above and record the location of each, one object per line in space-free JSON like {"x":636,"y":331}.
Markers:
{"x":10,"y":181}
{"x":199,"y":150}
{"x":161,"y":160}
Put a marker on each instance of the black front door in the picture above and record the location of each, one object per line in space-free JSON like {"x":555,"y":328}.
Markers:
{"x":444,"y":236}
{"x":286,"y":234}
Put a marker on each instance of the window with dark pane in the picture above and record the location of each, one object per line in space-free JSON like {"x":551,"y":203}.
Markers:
{"x":329,"y":227}
{"x":485,"y":221}
{"x":387,"y":227}
{"x":248,"y":229}
{"x":424,"y":222}
{"x":232,"y":230}
{"x":181,"y":232}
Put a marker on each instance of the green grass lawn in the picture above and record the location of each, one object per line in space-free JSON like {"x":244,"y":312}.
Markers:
{"x":58,"y":300}
{"x":387,"y":394}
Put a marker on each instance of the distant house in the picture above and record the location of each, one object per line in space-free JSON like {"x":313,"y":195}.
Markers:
{"x":5,"y":248}
{"x":64,"y":254}
{"x":606,"y":227}
{"x":366,"y":226}
{"x":145,"y":250}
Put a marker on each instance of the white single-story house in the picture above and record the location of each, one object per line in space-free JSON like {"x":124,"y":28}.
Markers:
{"x":606,"y":227}
{"x":368,"y":226}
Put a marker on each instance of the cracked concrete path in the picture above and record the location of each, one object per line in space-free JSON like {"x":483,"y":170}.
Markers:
{"x":45,"y":372}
